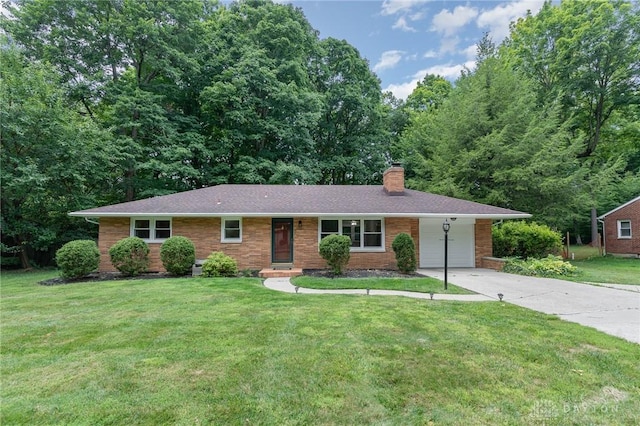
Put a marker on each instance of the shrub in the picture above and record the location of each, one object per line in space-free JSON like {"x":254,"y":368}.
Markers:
{"x":219,"y":264}
{"x":78,"y":258}
{"x":525,"y":240}
{"x":178,"y":254}
{"x":335,"y":249}
{"x":550,"y":266}
{"x":405,"y":250}
{"x":130,"y":256}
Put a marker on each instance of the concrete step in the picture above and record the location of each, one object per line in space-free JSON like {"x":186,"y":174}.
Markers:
{"x":280,"y":273}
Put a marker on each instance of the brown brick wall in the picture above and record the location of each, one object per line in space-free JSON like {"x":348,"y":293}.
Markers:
{"x":255,"y":250}
{"x":393,"y":180}
{"x":492,"y":263}
{"x":484,"y":240}
{"x":615,"y":245}
{"x":306,"y":254}
{"x":110,"y":232}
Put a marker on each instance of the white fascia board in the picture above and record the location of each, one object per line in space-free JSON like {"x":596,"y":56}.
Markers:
{"x":231,"y":214}
{"x":619,"y":207}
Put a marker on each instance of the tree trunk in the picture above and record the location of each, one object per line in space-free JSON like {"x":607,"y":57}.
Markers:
{"x":24,"y":257}
{"x":594,"y":227}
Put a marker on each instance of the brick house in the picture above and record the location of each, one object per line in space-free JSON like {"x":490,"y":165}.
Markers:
{"x":621,"y":229}
{"x":280,"y":226}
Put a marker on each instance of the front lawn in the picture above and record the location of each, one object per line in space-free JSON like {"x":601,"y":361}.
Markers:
{"x":417,"y":284}
{"x":608,"y":269}
{"x":229,"y":351}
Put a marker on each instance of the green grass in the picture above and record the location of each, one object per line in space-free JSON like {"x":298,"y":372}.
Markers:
{"x":216,"y":351}
{"x":417,"y":284}
{"x":583,"y":252}
{"x":608,"y":269}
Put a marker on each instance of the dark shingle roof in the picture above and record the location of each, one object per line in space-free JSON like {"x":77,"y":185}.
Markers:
{"x":300,"y":200}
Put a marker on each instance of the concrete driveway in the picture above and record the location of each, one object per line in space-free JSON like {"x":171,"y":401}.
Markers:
{"x":615,"y":311}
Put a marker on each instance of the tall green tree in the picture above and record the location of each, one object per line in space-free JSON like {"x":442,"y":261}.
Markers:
{"x":53,"y":160}
{"x":491,"y":142}
{"x":430,"y":92}
{"x":259,"y":106}
{"x":114,"y":54}
{"x":584,"y":53}
{"x":351,"y":140}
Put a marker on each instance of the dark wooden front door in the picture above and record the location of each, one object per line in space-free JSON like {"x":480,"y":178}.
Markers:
{"x":282,"y":241}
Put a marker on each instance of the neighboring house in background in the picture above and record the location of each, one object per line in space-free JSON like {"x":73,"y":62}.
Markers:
{"x":280,"y":226}
{"x":621,"y":229}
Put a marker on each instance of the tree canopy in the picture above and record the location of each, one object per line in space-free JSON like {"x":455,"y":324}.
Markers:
{"x":116,"y":100}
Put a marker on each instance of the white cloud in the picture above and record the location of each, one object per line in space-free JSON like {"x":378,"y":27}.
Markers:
{"x":416,"y":16}
{"x":401,"y":24}
{"x":470,"y":52}
{"x":448,"y":71}
{"x":391,"y":7}
{"x":430,"y":54}
{"x":497,"y":20}
{"x":403,"y":90}
{"x":449,"y":45}
{"x":388,"y":59}
{"x":448,"y":23}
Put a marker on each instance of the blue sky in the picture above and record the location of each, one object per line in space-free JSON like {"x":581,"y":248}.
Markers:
{"x":405,"y":39}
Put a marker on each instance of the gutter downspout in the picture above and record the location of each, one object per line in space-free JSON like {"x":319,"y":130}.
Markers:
{"x":91,"y":221}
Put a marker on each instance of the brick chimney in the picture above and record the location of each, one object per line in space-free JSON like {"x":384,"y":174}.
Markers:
{"x":393,"y":180}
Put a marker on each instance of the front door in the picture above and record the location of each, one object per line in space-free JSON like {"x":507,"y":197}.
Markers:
{"x":282,"y":241}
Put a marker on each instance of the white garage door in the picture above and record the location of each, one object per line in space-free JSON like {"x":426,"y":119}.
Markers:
{"x":461,"y":243}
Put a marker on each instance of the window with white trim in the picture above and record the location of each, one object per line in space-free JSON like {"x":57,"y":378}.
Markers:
{"x":231,"y":230}
{"x":624,"y":229}
{"x":151,"y":229}
{"x":365,"y":234}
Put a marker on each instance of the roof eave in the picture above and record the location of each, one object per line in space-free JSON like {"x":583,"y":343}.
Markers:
{"x":298,"y":214}
{"x":619,"y":207}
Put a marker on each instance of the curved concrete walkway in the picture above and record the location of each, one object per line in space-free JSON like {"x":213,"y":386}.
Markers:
{"x":613,"y":310}
{"x":284,"y":285}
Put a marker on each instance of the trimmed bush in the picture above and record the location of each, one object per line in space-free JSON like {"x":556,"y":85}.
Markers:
{"x":335,"y":249}
{"x":178,"y":254}
{"x":78,"y":258}
{"x":405,"y":250}
{"x":219,"y":264}
{"x":525,"y":240}
{"x":130,"y":256}
{"x":550,"y":266}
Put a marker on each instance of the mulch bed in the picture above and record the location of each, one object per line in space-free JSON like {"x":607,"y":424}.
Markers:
{"x":357,"y":273}
{"x":111,"y":276}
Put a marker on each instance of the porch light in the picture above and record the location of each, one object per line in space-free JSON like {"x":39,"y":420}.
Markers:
{"x":354,"y":223}
{"x":299,"y":224}
{"x":445,"y":227}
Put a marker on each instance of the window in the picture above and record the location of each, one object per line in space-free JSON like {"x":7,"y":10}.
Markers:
{"x":365,"y":234}
{"x":151,"y":229}
{"x":624,"y":229}
{"x":231,"y":230}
